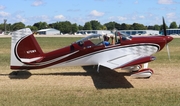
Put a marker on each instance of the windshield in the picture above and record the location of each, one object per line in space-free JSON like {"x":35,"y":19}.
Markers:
{"x":125,"y":36}
{"x":95,"y":38}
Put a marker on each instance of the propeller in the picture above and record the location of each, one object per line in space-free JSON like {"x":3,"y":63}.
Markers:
{"x":164,"y":27}
{"x":167,"y":47}
{"x":165,"y":34}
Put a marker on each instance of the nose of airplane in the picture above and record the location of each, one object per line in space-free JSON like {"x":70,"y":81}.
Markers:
{"x":169,"y":39}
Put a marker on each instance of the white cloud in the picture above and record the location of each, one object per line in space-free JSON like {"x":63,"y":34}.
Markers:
{"x":130,"y":18}
{"x":4,"y":14}
{"x":134,"y":17}
{"x":171,"y":15}
{"x":73,"y":10}
{"x":136,"y":2}
{"x":20,"y":18}
{"x":165,"y":1}
{"x":44,"y":18}
{"x":35,"y":19}
{"x":96,"y":13}
{"x":2,"y":7}
{"x":120,"y":18}
{"x":141,"y":17}
{"x":37,"y":3}
{"x":59,"y":17}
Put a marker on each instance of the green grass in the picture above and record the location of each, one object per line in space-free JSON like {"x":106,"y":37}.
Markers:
{"x":174,"y":48}
{"x":48,"y":44}
{"x":128,"y":97}
{"x":73,"y":86}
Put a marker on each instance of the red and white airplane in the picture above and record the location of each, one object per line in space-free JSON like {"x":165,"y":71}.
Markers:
{"x":127,"y":52}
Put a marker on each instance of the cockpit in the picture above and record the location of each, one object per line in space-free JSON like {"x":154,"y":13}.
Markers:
{"x":98,"y":39}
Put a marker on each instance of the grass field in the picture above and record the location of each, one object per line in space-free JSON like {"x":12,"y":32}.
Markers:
{"x":75,"y":86}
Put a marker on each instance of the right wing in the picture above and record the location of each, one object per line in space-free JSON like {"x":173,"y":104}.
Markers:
{"x":123,"y":61}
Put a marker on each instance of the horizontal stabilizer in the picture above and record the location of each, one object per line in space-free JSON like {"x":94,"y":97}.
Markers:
{"x":31,"y":60}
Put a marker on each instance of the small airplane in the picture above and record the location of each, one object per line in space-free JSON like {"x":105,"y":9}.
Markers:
{"x":124,"y":52}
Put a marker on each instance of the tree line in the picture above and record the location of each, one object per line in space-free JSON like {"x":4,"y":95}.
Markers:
{"x":71,"y":28}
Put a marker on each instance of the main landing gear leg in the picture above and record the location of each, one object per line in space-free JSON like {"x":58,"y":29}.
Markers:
{"x":98,"y":68}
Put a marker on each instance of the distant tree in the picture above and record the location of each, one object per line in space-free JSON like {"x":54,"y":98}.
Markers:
{"x":87,"y":26}
{"x":173,"y":25}
{"x":80,"y":27}
{"x":18,"y":25}
{"x":55,"y":25}
{"x":8,"y":27}
{"x":65,"y":27}
{"x":157,"y":27}
{"x":2,"y":27}
{"x":125,"y":26}
{"x":33,"y":28}
{"x":117,"y":26}
{"x":131,"y":27}
{"x":150,"y":27}
{"x":51,"y":25}
{"x":103,"y":27}
{"x":138,"y":26}
{"x":161,"y":27}
{"x":110,"y":25}
{"x":41,"y":25}
{"x":74,"y":28}
{"x":95,"y":25}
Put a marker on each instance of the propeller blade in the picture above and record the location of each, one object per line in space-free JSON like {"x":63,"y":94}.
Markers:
{"x":168,"y":52}
{"x":164,"y":27}
{"x":165,"y":34}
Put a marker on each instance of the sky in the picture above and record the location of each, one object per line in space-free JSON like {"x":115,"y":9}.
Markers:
{"x":147,"y":12}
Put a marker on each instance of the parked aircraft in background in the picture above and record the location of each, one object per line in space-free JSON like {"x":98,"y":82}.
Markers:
{"x":124,"y":51}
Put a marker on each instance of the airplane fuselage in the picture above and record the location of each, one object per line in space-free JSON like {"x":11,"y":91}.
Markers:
{"x":113,"y":56}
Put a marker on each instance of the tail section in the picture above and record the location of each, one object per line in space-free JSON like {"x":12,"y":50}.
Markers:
{"x":24,"y":49}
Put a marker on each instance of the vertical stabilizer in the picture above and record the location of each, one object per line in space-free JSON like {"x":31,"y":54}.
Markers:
{"x":24,"y":48}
